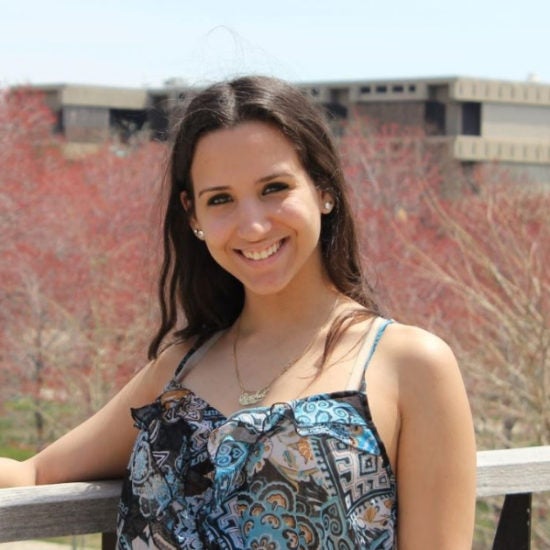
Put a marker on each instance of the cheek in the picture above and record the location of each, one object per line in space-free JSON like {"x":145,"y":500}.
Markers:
{"x":304,"y":206}
{"x":217,"y":246}
{"x":217,"y":230}
{"x":304,"y":215}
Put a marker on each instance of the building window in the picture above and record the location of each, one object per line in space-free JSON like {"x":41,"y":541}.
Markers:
{"x":398,"y":88}
{"x":382,"y":89}
{"x":336,"y":110}
{"x":85,"y":124}
{"x":126,"y":123}
{"x":434,"y":118}
{"x":471,"y":119}
{"x":365,"y":89}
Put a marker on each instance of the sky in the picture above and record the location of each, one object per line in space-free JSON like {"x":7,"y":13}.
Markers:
{"x":144,"y":43}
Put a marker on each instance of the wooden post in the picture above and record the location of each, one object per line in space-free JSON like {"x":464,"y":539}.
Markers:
{"x":514,"y":525}
{"x":108,"y":541}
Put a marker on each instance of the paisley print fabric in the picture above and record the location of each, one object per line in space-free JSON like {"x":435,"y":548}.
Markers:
{"x":308,"y":474}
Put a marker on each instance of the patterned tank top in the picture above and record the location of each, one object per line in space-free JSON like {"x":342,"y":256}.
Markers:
{"x":306,"y":474}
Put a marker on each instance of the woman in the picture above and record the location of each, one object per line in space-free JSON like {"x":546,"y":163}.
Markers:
{"x":291,"y":415}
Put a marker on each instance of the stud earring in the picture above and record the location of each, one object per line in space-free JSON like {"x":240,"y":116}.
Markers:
{"x":199,"y":233}
{"x":328,"y":207}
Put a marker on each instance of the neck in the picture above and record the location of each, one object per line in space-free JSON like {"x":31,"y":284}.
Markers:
{"x":307,"y":299}
{"x":292,"y":308}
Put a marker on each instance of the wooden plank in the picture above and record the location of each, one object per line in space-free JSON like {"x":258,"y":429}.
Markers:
{"x":513,"y":471}
{"x":58,"y":510}
{"x":78,"y":508}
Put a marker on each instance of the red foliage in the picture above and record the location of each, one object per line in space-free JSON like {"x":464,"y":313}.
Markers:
{"x":453,"y":252}
{"x":465,"y":255}
{"x":76,"y":256}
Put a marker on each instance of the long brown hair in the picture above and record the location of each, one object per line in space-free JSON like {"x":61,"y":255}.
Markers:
{"x":194,"y":291}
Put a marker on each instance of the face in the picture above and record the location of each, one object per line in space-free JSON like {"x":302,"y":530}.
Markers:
{"x":258,"y":208}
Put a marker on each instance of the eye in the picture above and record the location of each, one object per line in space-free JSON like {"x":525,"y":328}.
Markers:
{"x":219,"y":198}
{"x":274,"y":187}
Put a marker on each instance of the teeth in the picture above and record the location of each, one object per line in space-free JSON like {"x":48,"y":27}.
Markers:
{"x":262,"y":254}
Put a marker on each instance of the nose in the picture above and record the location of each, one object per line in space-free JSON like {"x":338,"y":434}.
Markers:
{"x":253,"y":220}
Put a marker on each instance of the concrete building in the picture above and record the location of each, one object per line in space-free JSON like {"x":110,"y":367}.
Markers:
{"x":89,"y":115}
{"x":476,"y":120}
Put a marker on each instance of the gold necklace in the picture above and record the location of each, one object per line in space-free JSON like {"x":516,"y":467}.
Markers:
{"x":248,"y":397}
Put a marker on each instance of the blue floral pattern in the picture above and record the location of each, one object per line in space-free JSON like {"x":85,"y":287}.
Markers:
{"x":311,"y":473}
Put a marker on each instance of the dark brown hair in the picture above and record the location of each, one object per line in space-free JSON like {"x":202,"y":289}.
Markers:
{"x":193,"y":289}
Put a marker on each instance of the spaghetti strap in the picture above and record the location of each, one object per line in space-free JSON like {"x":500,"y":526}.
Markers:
{"x":195,"y":354}
{"x":364,"y":357}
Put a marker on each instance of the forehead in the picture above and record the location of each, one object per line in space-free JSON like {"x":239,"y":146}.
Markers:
{"x":251,"y":149}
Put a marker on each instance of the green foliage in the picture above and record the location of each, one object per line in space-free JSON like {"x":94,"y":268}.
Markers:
{"x":10,"y":441}
{"x":15,"y":452}
{"x":79,"y":542}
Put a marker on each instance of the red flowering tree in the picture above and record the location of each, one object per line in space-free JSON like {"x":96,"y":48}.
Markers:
{"x":465,"y":255}
{"x":462,"y":254}
{"x":76,"y":265}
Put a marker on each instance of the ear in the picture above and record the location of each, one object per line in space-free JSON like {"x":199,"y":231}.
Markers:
{"x":326,"y":202}
{"x":187,"y":204}
{"x":186,"y":201}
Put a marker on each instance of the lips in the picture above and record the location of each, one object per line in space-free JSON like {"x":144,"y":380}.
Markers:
{"x":263,"y":254}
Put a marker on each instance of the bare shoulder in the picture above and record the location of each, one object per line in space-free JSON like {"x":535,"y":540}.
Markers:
{"x":410,"y":347}
{"x":436,"y":489}
{"x":421,"y":361}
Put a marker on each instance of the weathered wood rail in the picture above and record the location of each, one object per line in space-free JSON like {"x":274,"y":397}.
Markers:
{"x":79,"y":508}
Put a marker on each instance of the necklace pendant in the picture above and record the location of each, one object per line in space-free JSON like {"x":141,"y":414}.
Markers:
{"x":250,"y":398}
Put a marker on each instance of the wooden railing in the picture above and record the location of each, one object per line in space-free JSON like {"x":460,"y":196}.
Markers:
{"x":79,"y":508}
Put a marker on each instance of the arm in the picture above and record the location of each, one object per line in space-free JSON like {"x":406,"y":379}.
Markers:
{"x":100,"y":447}
{"x":436,"y":465}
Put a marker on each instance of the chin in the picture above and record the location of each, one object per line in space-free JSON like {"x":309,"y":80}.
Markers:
{"x":267,"y":288}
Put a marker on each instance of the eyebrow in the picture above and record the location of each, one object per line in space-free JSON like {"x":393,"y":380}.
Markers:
{"x":213,"y":189}
{"x":263,"y":179}
{"x":274,"y":176}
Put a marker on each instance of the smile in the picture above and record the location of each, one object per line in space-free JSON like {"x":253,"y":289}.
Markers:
{"x":257,"y":255}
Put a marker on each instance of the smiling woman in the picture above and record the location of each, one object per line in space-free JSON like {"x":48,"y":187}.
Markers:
{"x":279,"y":409}
{"x":263,"y":224}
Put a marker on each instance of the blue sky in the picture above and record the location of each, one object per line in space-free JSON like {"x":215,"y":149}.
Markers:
{"x":138,"y":42}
